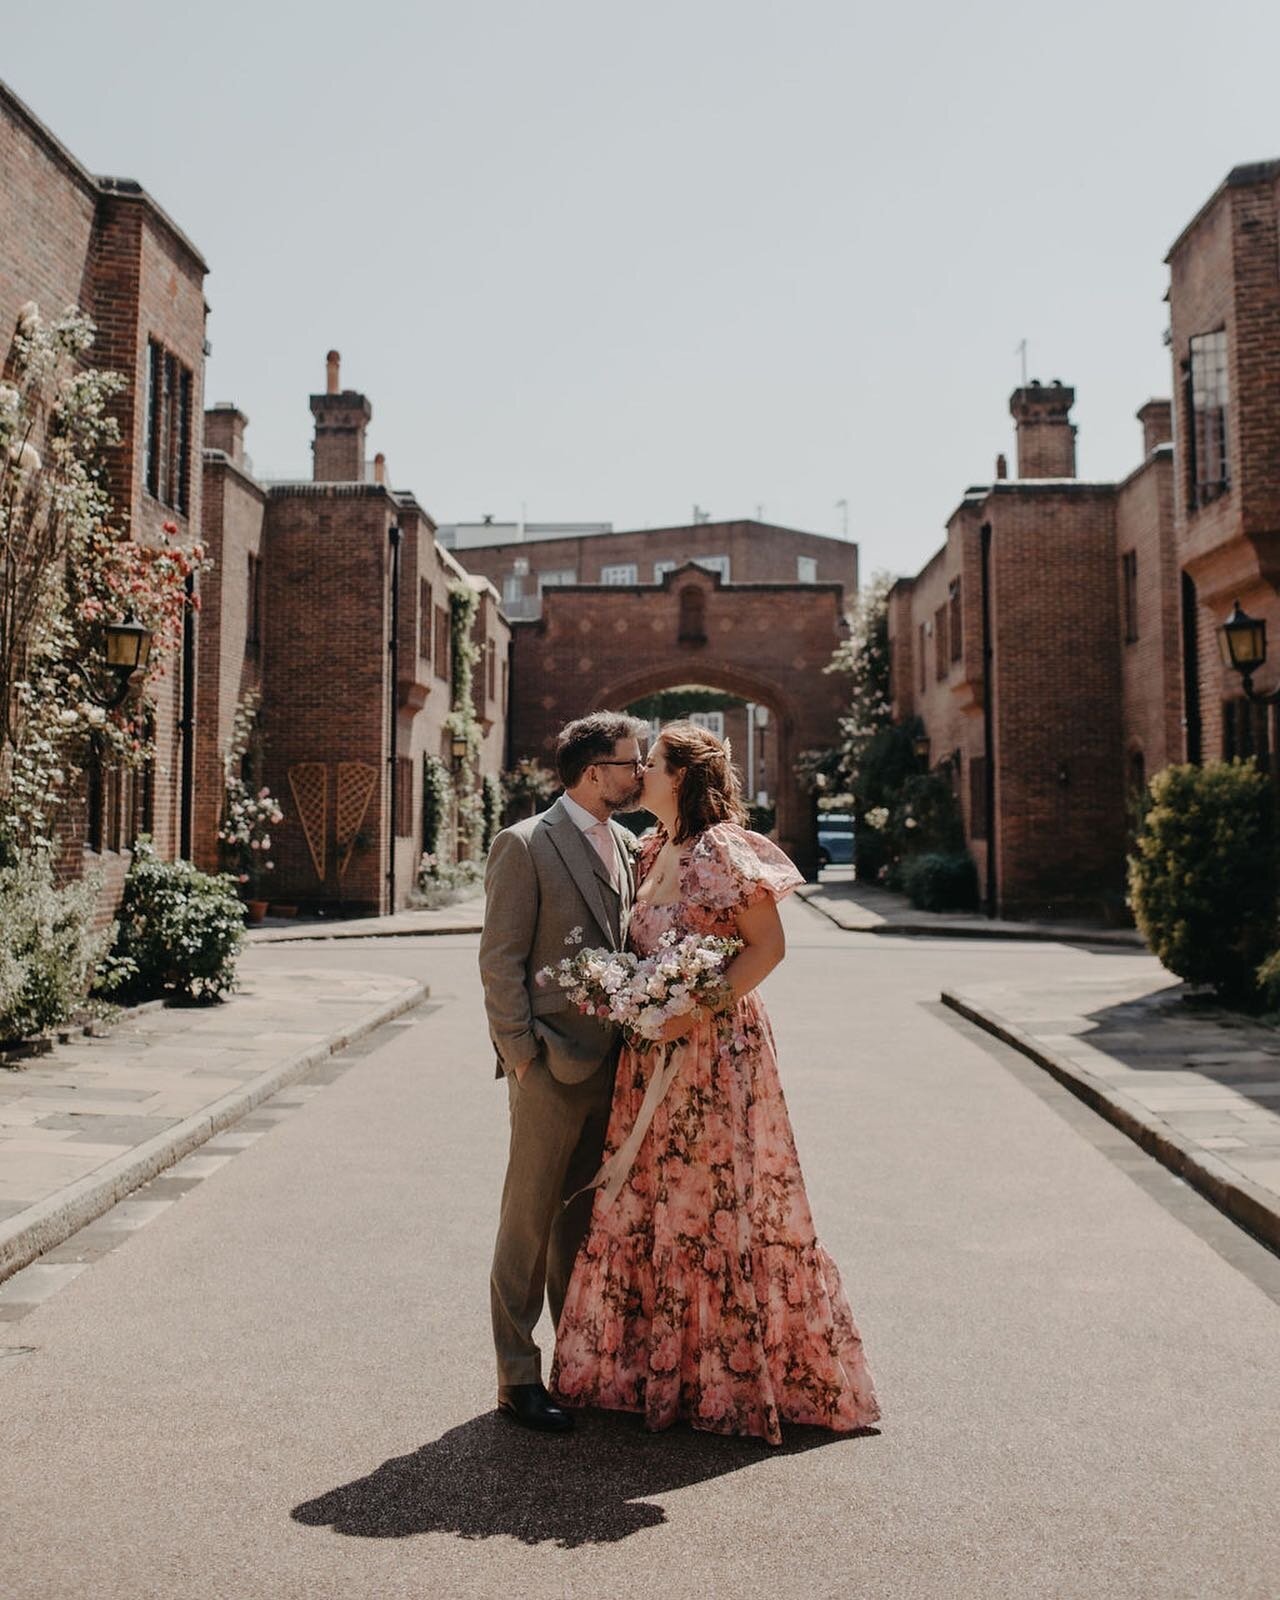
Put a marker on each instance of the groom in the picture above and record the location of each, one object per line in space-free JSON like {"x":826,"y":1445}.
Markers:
{"x":554,"y":883}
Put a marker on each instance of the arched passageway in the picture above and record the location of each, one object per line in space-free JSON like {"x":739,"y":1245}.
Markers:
{"x":599,"y":646}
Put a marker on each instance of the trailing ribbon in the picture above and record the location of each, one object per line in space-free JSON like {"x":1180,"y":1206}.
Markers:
{"x":617,"y":1169}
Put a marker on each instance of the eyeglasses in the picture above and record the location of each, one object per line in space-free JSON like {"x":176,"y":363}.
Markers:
{"x":634,"y":765}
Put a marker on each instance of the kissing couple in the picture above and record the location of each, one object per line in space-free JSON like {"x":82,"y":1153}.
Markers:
{"x":697,"y":1290}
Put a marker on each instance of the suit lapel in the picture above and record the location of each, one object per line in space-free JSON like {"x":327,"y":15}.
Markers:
{"x":626,"y":879}
{"x":585,"y":867}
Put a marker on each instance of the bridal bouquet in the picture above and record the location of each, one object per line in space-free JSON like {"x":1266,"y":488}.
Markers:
{"x":643,"y":994}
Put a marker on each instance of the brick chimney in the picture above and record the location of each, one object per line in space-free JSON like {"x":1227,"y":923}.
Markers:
{"x":341,"y":418}
{"x":1156,"y":418}
{"x":1046,"y":435}
{"x":224,"y":427}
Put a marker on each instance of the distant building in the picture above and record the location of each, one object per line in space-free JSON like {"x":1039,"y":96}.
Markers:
{"x":299,"y":605}
{"x":522,"y":568}
{"x":1040,"y":649}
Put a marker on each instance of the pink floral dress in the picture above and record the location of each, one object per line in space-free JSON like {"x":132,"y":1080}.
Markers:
{"x":702,"y":1293}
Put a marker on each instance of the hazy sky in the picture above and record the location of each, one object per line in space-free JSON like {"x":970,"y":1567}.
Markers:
{"x":607,"y":261}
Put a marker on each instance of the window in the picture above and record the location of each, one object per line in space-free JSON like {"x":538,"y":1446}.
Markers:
{"x":442,"y":643}
{"x":957,"y":619}
{"x":512,"y":589}
{"x":978,"y":797}
{"x":1129,"y":597}
{"x":491,"y":674}
{"x":921,"y":654}
{"x":1245,"y":732}
{"x":624,"y":574}
{"x":693,"y":615}
{"x":718,"y":564}
{"x":1137,"y":772}
{"x":424,"y":619}
{"x":520,"y":567}
{"x":404,"y":797}
{"x":940,"y":642}
{"x":661,"y":568}
{"x":94,"y":798}
{"x":1206,"y":392}
{"x":712,"y":721}
{"x":554,"y":580}
{"x":506,"y":671}
{"x":168,"y":442}
{"x":806,"y":569}
{"x":253,"y":606}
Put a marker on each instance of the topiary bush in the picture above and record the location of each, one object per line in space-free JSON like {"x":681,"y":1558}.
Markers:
{"x":49,"y":947}
{"x":180,"y":932}
{"x":1203,"y":875}
{"x":938,"y":882}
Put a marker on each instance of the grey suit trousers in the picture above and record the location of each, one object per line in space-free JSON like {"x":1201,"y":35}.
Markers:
{"x":557,"y":1141}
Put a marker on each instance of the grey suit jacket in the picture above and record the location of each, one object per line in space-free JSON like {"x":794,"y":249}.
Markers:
{"x":543,"y":880}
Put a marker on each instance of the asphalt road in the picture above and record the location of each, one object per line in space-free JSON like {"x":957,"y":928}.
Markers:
{"x":282,"y":1385}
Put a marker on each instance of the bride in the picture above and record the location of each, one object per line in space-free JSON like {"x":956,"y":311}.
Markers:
{"x":701,"y":1292}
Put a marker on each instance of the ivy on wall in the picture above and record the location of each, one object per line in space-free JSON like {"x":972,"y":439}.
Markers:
{"x":437,"y":802}
{"x":462,"y":722}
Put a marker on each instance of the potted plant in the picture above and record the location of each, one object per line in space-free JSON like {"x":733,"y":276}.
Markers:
{"x":245,"y":836}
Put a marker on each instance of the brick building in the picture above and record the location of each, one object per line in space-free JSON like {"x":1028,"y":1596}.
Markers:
{"x":610,"y":645}
{"x":523,"y":560}
{"x":1040,"y":649}
{"x":332,"y":597}
{"x":105,"y":245}
{"x":1224,"y":303}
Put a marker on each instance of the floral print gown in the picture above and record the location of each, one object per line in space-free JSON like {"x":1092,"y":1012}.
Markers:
{"x":702,"y":1292}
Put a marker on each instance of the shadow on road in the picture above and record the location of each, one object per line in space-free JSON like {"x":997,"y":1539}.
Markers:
{"x":489,"y":1477}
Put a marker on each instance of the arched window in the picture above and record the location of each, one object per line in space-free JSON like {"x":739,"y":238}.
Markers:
{"x":693,"y":615}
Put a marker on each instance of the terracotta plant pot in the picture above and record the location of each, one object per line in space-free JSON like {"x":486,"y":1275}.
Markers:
{"x":283,"y":911}
{"x":255,"y":911}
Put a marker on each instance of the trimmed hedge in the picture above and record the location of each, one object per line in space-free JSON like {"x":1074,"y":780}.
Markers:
{"x":1203,"y":876}
{"x":938,"y":882}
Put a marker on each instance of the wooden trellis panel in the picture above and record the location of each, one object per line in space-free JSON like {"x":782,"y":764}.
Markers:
{"x":356,"y":783}
{"x":309,"y":781}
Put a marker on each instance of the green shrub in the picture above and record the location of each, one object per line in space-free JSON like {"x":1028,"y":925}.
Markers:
{"x":440,"y":883}
{"x":926,"y":819}
{"x":48,"y":946}
{"x":937,"y":882}
{"x":180,"y":932}
{"x":870,"y":854}
{"x":1203,"y":878}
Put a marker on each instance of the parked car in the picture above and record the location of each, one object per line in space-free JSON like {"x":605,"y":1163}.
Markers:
{"x":835,"y":839}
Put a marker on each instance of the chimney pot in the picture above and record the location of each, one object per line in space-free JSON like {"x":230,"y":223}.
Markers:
{"x":1002,"y":467}
{"x":332,"y":362}
{"x":380,"y":468}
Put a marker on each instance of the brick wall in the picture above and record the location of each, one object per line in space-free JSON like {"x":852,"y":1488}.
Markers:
{"x":70,"y":238}
{"x":599,"y":647}
{"x":757,"y":552}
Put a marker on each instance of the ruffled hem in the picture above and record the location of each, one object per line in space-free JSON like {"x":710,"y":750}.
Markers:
{"x":679,"y":1334}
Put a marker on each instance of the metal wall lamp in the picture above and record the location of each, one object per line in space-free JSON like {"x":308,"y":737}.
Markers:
{"x":1243,"y":641}
{"x":126,"y":650}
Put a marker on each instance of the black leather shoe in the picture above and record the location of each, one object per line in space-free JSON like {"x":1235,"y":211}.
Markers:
{"x":531,"y":1406}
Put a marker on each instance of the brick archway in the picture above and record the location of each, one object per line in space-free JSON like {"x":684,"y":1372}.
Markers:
{"x":599,"y":646}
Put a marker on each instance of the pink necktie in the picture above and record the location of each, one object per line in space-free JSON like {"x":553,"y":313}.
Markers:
{"x":602,"y":839}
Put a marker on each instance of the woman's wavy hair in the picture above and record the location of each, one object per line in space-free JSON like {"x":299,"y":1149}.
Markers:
{"x":709,"y":789}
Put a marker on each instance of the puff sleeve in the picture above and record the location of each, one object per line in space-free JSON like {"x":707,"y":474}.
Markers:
{"x":731,"y":867}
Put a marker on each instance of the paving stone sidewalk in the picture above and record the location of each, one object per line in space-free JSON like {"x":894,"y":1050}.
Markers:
{"x":1198,"y":1087}
{"x":96,"y":1117}
{"x":465,"y":916}
{"x":864,"y":908}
